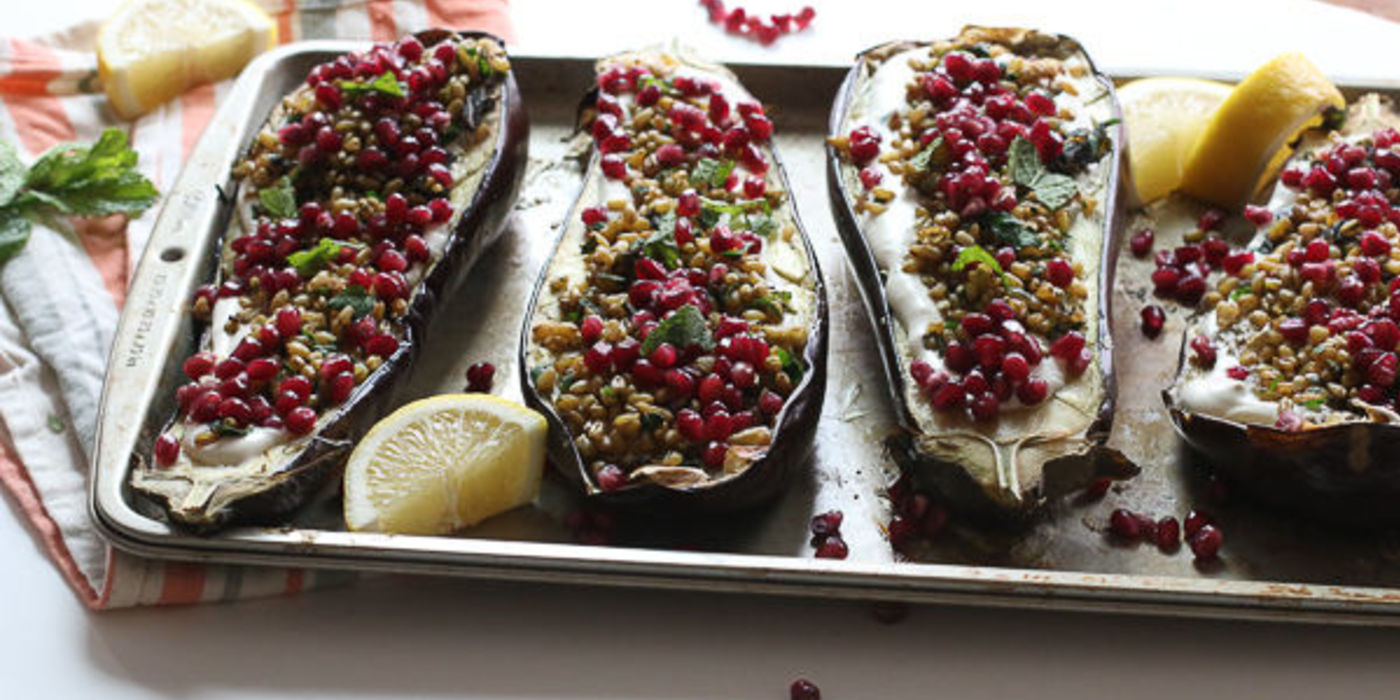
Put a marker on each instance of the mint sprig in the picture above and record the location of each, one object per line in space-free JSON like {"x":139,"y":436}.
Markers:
{"x":70,"y":179}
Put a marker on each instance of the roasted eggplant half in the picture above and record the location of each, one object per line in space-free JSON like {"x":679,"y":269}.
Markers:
{"x":362,"y":202}
{"x":677,"y":336}
{"x":1287,"y":381}
{"x":975,"y":185}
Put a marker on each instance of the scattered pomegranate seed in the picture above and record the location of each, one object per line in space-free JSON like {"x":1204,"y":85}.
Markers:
{"x":167,"y":449}
{"x":1097,"y":488}
{"x":1168,"y":534}
{"x":803,"y":689}
{"x":480,"y":376}
{"x":1257,"y":215}
{"x":1195,"y":520}
{"x":828,"y":523}
{"x":752,"y":26}
{"x":1205,"y":544}
{"x":611,"y":477}
{"x":1124,"y":523}
{"x":833,"y":547}
{"x":1141,"y":242}
{"x":1153,"y":318}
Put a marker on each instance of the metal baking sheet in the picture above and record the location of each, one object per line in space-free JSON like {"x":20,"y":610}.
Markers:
{"x":1272,"y":567}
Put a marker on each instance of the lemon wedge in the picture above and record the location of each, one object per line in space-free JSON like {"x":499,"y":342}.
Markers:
{"x":150,"y":51}
{"x":1247,"y":141}
{"x":1164,"y":118}
{"x":444,"y":463}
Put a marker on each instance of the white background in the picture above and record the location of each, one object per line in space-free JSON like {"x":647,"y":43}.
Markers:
{"x":412,"y":637}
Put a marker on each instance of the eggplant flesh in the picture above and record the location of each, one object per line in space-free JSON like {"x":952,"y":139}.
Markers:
{"x":1308,"y":448}
{"x":240,"y":473}
{"x":596,"y":268}
{"x":1005,"y":466}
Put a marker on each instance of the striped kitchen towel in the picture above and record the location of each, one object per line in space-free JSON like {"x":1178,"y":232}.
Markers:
{"x":62,"y":295}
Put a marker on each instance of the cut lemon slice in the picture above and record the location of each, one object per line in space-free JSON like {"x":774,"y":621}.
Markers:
{"x":1164,"y":118}
{"x":444,"y":463}
{"x":1247,"y":140}
{"x":150,"y":51}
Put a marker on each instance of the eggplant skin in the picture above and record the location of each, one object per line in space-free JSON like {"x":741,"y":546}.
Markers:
{"x":272,"y":498}
{"x":988,"y":499}
{"x":793,"y":432}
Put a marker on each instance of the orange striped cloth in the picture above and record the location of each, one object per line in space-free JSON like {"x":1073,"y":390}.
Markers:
{"x":49,"y":94}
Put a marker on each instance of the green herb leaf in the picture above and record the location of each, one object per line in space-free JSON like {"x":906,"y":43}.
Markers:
{"x":385,"y":84}
{"x":1052,"y":189}
{"x":1240,"y":291}
{"x":762,"y":223}
{"x":661,"y":244}
{"x":310,"y":261}
{"x":712,"y":171}
{"x":779,"y":302}
{"x":1009,"y":230}
{"x":14,"y":233}
{"x":1314,"y":404}
{"x":934,"y":154}
{"x":975,"y":254}
{"x":355,"y":297}
{"x":683,"y":328}
{"x":791,"y":366}
{"x":55,"y":423}
{"x":87,"y":181}
{"x":224,"y":429}
{"x":280,"y":200}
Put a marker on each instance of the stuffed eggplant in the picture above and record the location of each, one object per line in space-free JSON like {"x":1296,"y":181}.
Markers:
{"x":1287,"y":379}
{"x":975,"y":185}
{"x":362,"y":202}
{"x":677,"y":337}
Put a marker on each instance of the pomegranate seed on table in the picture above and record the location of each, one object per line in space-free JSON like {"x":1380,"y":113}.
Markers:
{"x":1205,"y":544}
{"x":1153,"y":319}
{"x":803,"y":689}
{"x":1124,"y":523}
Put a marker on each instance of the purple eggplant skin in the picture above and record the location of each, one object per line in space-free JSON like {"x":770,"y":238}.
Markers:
{"x":278,"y":495}
{"x":952,"y":480}
{"x":1346,"y":474}
{"x":793,"y":432}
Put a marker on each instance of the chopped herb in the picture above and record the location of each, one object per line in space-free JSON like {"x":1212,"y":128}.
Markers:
{"x":615,"y":279}
{"x":661,"y":244}
{"x":1052,"y":189}
{"x":55,"y":423}
{"x":1334,"y":118}
{"x":935,"y":153}
{"x":683,"y":328}
{"x":355,"y":297}
{"x":1314,"y":404}
{"x":224,"y":429}
{"x":778,"y":302}
{"x":308,"y":262}
{"x":385,"y":84}
{"x":1009,"y":230}
{"x":712,"y":171}
{"x":279,"y":200}
{"x":791,"y":366}
{"x":761,"y":223}
{"x":975,"y":254}
{"x":711,"y":209}
{"x":590,"y":243}
{"x":1241,"y":291}
{"x":664,"y":85}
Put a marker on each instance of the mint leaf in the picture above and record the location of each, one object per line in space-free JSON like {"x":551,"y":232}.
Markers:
{"x":355,"y":297}
{"x":308,"y":262}
{"x":661,"y":244}
{"x":762,"y":223}
{"x":683,"y":328}
{"x":1052,"y":189}
{"x":1008,"y":230}
{"x":280,"y":200}
{"x":95,"y":180}
{"x":712,"y":171}
{"x":779,"y":302}
{"x":14,"y":233}
{"x":975,"y":254}
{"x":791,"y":366}
{"x":385,"y":84}
{"x":935,"y":153}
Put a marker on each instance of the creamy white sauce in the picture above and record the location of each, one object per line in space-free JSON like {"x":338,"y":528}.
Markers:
{"x":1212,"y":392}
{"x":231,"y":450}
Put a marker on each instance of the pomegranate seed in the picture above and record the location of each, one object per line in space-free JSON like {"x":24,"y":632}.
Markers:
{"x":1237,"y":373}
{"x":1153,"y":318}
{"x":167,"y":449}
{"x":670,"y":155}
{"x":1067,"y":346}
{"x":1097,"y":488}
{"x":1211,"y":219}
{"x":262,"y":369}
{"x":663,"y":356}
{"x":1205,"y":544}
{"x":199,"y":364}
{"x":1257,"y":215}
{"x":803,"y":689}
{"x":1168,"y":534}
{"x":1015,"y":367}
{"x":1204,"y":351}
{"x":1195,"y":520}
{"x":805,"y":16}
{"x":833,"y":547}
{"x":1189,"y":289}
{"x":870,"y":177}
{"x":228,"y":368}
{"x":714,"y":454}
{"x":828,"y":523}
{"x":591,"y":328}
{"x":1141,"y":242}
{"x":611,"y":477}
{"x":382,"y":345}
{"x":1124,"y":523}
{"x":235,"y":409}
{"x":301,"y":386}
{"x":300,"y":420}
{"x":341,"y":385}
{"x":1165,"y":280}
{"x":206,"y":407}
{"x":1059,"y":272}
{"x":614,"y":167}
{"x":1373,"y":244}
{"x":480,"y":376}
{"x":948,"y":397}
{"x":985,"y":406}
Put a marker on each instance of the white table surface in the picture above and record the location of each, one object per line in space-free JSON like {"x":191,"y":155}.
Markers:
{"x":414,"y":637}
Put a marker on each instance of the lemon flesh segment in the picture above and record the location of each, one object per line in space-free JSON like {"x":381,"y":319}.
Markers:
{"x":1247,"y":141}
{"x":1164,"y":118}
{"x":151,"y":51}
{"x":444,"y":463}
